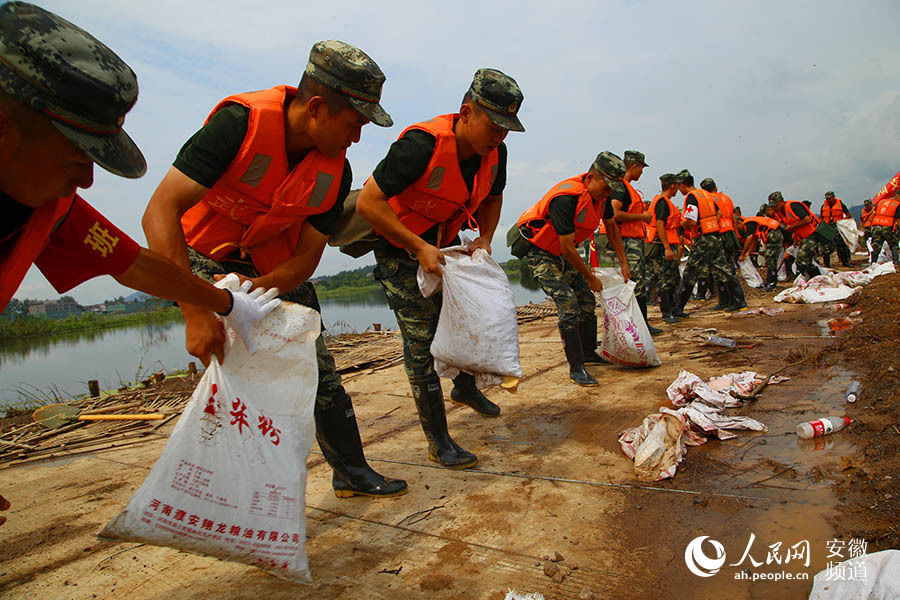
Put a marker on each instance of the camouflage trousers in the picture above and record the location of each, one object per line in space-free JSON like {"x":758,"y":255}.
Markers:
{"x":417,"y":316}
{"x":708,"y":254}
{"x":305,"y":294}
{"x":880,"y":235}
{"x":836,"y":245}
{"x":731,"y":246}
{"x":806,"y":253}
{"x":634,"y":252}
{"x":774,"y":246}
{"x":574,"y":299}
{"x":661,"y":271}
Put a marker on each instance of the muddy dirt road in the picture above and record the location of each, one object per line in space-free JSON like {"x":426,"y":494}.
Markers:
{"x":551,"y":479}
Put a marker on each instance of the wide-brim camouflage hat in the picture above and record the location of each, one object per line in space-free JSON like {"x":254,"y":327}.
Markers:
{"x":350,"y":71}
{"x":500,"y":96}
{"x":58,"y":69}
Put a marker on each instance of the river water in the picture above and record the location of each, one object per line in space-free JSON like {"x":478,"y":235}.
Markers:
{"x":62,"y":365}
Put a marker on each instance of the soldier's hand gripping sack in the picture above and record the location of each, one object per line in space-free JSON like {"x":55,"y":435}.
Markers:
{"x":477,"y":330}
{"x":231,"y":481}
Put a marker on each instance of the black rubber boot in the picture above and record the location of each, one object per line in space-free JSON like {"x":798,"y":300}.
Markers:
{"x":789,"y":267}
{"x":588,"y":330}
{"x":666,"y":306}
{"x":466,"y":392}
{"x":724,"y":298}
{"x":430,"y":406}
{"x":575,"y":355}
{"x":844,"y":255}
{"x":771,"y":282}
{"x":681,"y":300}
{"x":642,"y":303}
{"x":826,"y":259}
{"x":702,"y":287}
{"x":338,"y":437}
{"x":737,"y":293}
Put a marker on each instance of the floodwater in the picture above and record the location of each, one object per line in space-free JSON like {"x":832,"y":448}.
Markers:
{"x":62,"y":365}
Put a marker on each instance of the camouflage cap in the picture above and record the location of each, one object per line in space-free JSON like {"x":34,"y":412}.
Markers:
{"x":635,"y":157}
{"x":775,"y":198}
{"x":708,"y":184}
{"x":867,"y":201}
{"x":500,"y":95}
{"x":683,"y":175}
{"x":829,"y":194}
{"x":58,"y":69}
{"x":668,"y":179}
{"x":610,"y":167}
{"x":348,"y":70}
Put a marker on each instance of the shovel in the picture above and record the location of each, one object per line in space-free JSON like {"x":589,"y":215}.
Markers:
{"x":53,"y":416}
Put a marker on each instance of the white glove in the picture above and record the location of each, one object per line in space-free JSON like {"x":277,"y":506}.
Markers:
{"x":248,"y":309}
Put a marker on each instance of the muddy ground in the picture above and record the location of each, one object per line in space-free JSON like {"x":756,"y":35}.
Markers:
{"x":551,"y":479}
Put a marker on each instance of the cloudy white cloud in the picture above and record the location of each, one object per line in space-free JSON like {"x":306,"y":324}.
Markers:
{"x":796,"y":96}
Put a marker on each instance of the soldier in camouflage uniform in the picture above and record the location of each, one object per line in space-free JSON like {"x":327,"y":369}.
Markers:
{"x":707,"y":251}
{"x":440,"y":175}
{"x":798,"y":218}
{"x":231,"y":180}
{"x":632,"y":218}
{"x":662,"y":258}
{"x":884,"y":223}
{"x":772,"y":232}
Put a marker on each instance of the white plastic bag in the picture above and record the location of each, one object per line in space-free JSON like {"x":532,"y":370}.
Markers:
{"x":851,"y":234}
{"x":782,"y":268}
{"x":884,"y":253}
{"x":750,"y":274}
{"x":878,"y":578}
{"x":477,"y":330}
{"x":626,"y":339}
{"x":231,"y":481}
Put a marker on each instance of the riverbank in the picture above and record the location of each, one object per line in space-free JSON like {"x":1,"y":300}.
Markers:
{"x":25,"y":327}
{"x":552,"y":478}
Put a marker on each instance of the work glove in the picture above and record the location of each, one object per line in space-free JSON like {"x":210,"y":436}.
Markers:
{"x":248,"y":307}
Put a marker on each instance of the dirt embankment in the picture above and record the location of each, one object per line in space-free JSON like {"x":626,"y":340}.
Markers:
{"x":868,"y":486}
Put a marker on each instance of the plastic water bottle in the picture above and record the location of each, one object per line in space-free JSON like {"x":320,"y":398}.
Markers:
{"x":721,"y":341}
{"x":820,"y":427}
{"x":853,"y":391}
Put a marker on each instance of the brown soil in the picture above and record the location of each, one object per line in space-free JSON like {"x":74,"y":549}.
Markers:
{"x":869,"y":483}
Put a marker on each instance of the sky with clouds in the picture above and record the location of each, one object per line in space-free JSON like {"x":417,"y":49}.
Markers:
{"x":800,"y":96}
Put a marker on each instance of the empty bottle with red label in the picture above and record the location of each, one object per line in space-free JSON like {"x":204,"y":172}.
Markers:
{"x":820,"y":427}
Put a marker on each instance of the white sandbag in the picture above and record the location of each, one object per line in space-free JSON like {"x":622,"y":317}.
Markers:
{"x":873,"y":576}
{"x":656,"y":445}
{"x":884,"y":254}
{"x":477,"y":329}
{"x":850,"y":232}
{"x":832,"y":287}
{"x":782,"y":268}
{"x":231,"y":481}
{"x":626,"y":339}
{"x":750,"y":274}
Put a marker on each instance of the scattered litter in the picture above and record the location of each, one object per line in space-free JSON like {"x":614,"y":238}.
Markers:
{"x":837,"y":306}
{"x":626,"y":339}
{"x":855,"y":313}
{"x":477,"y":331}
{"x":832,"y":287}
{"x":660,"y":442}
{"x":696,"y":334}
{"x":511,"y":594}
{"x":231,"y":481}
{"x":750,"y":274}
{"x":881,"y":581}
{"x":725,"y":342}
{"x":820,"y":427}
{"x":854,"y":390}
{"x":839,"y":324}
{"x":763,"y":310}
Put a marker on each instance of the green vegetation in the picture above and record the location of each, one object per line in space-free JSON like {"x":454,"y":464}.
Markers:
{"x":28,"y":326}
{"x":348,"y":284}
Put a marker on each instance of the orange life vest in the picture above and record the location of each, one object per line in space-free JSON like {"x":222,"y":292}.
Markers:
{"x":885,"y":212}
{"x":830,"y":214}
{"x":866,"y":215}
{"x":30,"y":242}
{"x":587,"y":218}
{"x":440,"y":196}
{"x":763,"y":226}
{"x":259,"y":204}
{"x":790,"y":219}
{"x":708,"y":221}
{"x":633,"y":229}
{"x":672,"y":222}
{"x":726,"y":209}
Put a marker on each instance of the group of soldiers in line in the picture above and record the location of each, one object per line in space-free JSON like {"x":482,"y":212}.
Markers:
{"x":260,"y":188}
